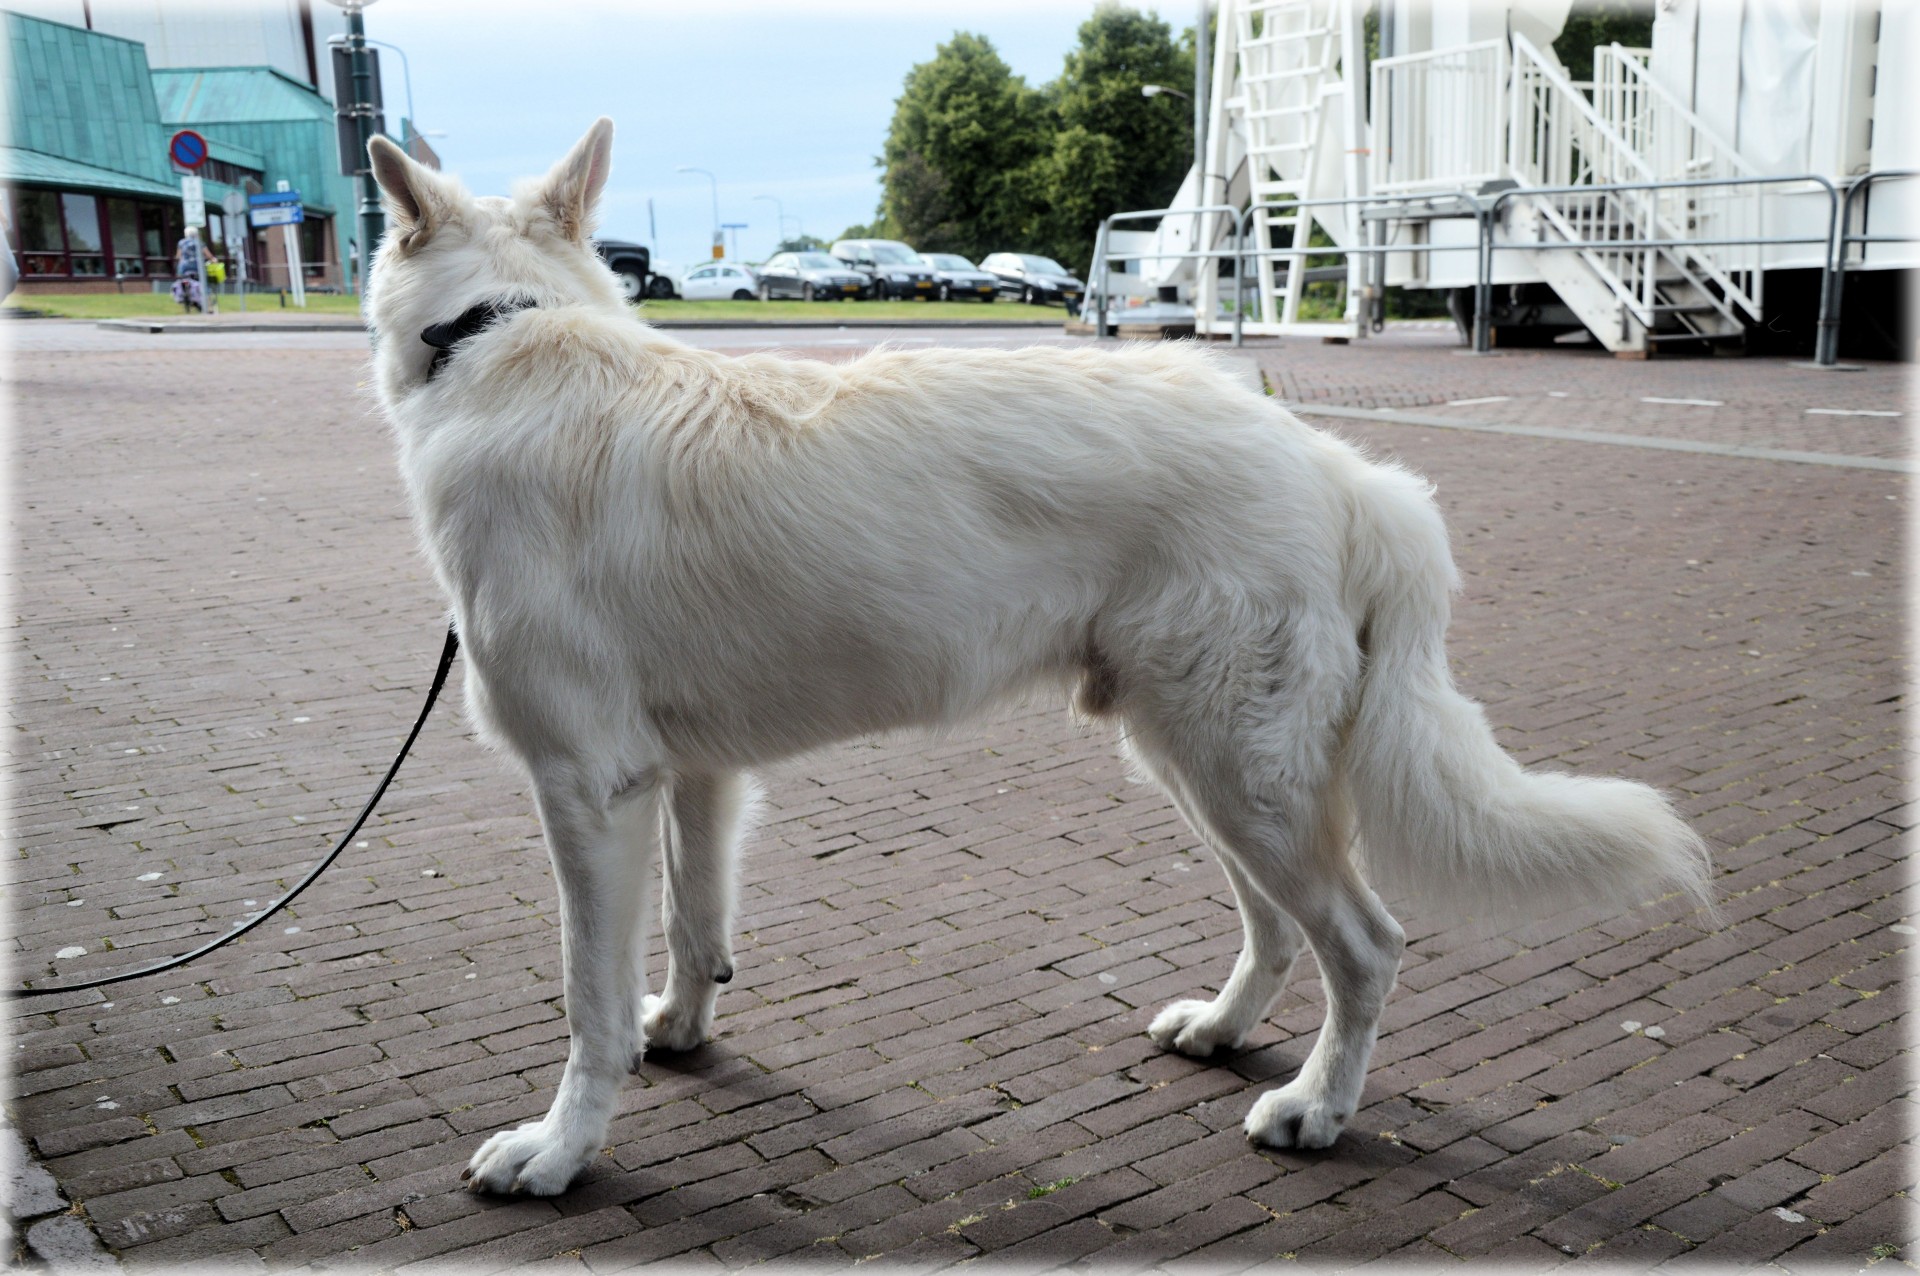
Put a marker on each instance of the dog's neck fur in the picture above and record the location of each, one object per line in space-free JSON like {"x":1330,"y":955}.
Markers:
{"x":472,"y":321}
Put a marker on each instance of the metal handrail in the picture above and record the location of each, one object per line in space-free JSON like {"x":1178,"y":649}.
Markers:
{"x":1486,"y":213}
{"x":1472,"y":202}
{"x":1482,"y":337}
{"x":1097,"y":284}
{"x":1834,"y":278}
{"x":1098,"y":299}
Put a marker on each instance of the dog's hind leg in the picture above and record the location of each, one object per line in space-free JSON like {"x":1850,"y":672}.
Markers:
{"x":1270,"y":944}
{"x":706,"y":815}
{"x":601,"y":853}
{"x":1294,"y":854}
{"x":1250,"y":729}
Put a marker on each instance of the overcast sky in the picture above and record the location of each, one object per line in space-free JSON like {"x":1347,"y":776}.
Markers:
{"x":790,"y":100}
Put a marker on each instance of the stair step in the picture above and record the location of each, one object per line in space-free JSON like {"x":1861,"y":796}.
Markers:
{"x":1284,"y":37}
{"x":1291,"y":73}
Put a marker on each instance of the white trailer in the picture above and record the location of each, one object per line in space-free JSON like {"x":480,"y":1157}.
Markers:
{"x":1654,"y":200}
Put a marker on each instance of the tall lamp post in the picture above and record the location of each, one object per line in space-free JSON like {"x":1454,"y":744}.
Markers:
{"x":780,"y":213}
{"x":718,"y":243}
{"x":373,"y":222}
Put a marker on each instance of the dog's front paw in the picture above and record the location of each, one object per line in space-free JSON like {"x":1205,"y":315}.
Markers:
{"x":532,"y":1159}
{"x":1193,"y":1028}
{"x":672,"y":1024}
{"x":1295,"y":1116}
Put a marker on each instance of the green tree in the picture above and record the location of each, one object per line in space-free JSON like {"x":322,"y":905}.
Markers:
{"x":1115,"y":149}
{"x":1593,"y":23}
{"x":965,"y":130}
{"x":801,"y":244}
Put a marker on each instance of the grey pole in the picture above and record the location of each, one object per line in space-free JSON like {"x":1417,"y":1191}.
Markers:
{"x":1483,"y":284}
{"x":780,"y":212}
{"x":373,"y":221}
{"x":715,"y":183}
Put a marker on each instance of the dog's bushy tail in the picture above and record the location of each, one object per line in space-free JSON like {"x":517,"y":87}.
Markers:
{"x":1445,"y":816}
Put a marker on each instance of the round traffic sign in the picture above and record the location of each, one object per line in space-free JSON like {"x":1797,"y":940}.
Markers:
{"x":188,"y":149}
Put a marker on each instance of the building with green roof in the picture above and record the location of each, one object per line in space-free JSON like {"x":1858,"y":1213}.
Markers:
{"x":92,"y":198}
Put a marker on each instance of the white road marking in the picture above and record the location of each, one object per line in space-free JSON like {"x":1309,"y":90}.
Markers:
{"x":1492,"y":398}
{"x":1691,"y":403}
{"x":1849,"y":412}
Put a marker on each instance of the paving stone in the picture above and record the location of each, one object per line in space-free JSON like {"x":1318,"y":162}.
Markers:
{"x":919,"y":1024}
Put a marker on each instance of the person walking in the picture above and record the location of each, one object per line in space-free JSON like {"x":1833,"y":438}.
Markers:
{"x":189,"y":260}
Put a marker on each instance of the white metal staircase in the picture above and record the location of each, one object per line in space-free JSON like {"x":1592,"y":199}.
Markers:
{"x":1658,"y":285}
{"x":1285,"y":58}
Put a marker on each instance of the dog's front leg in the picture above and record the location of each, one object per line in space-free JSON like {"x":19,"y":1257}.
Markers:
{"x":698,"y":887}
{"x":601,"y":851}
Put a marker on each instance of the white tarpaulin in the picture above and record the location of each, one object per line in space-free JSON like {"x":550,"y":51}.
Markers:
{"x":1776,"y":84}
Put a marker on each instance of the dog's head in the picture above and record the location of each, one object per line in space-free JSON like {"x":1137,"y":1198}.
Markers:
{"x":446,"y":251}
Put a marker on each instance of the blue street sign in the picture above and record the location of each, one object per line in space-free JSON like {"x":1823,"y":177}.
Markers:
{"x":273,"y":197}
{"x":187,"y":149}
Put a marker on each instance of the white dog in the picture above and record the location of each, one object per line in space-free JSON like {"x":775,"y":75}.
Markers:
{"x":669,"y":567}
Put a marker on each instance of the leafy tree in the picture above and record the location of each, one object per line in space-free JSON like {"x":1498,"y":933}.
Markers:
{"x":802,"y":244}
{"x":964,"y":130}
{"x":977,"y":161}
{"x":1115,"y":149}
{"x":1594,"y":23}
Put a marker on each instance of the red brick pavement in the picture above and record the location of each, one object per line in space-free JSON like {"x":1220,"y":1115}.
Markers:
{"x":948,"y":951}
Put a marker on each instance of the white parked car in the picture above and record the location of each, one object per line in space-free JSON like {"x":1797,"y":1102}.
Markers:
{"x":721,"y":281}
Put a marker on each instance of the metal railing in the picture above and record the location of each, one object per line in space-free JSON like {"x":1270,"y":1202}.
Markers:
{"x":1098,"y":298}
{"x":1438,"y":204}
{"x":1614,"y":195}
{"x":1675,"y":143}
{"x":1444,"y":118}
{"x":1834,"y":281}
{"x":1486,"y":212}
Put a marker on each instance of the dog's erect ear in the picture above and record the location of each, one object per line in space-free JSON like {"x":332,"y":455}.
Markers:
{"x":572,"y":190}
{"x":415,"y":196}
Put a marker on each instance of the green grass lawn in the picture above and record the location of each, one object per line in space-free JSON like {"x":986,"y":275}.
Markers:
{"x":150,"y":305}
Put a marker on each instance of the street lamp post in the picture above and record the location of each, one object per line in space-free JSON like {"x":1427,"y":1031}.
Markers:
{"x":715,"y":182}
{"x":780,"y":213}
{"x":373,"y":222}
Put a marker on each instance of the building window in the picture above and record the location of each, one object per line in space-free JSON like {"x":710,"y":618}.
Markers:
{"x":315,"y":235}
{"x":227,"y":173}
{"x":123,"y":226}
{"x":74,"y":235}
{"x":81,"y":213}
{"x":155,"y":240}
{"x":36,"y":220}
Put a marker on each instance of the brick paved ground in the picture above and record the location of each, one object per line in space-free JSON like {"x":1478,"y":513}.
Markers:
{"x":948,"y":951}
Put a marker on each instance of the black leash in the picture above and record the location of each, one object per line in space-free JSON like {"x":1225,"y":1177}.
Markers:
{"x":433,"y":693}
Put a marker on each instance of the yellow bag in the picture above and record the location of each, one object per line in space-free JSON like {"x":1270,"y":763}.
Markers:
{"x":216,"y":271}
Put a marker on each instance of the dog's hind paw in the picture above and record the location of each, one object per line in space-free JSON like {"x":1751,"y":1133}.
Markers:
{"x":1193,"y":1028}
{"x":532,"y":1160}
{"x":1295,"y":1116}
{"x":670,"y":1025}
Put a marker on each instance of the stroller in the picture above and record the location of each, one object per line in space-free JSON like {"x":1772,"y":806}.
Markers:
{"x":187,"y":292}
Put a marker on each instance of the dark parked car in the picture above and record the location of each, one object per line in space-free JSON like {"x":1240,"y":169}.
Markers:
{"x":894,"y":269}
{"x":1038,"y":281}
{"x":634,"y":264}
{"x":955,"y":276}
{"x":810,"y":277}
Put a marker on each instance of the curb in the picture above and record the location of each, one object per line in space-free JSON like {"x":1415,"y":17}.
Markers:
{"x":162,"y":326}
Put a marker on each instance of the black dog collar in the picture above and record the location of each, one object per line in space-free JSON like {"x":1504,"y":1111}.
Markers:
{"x":471,"y":322}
